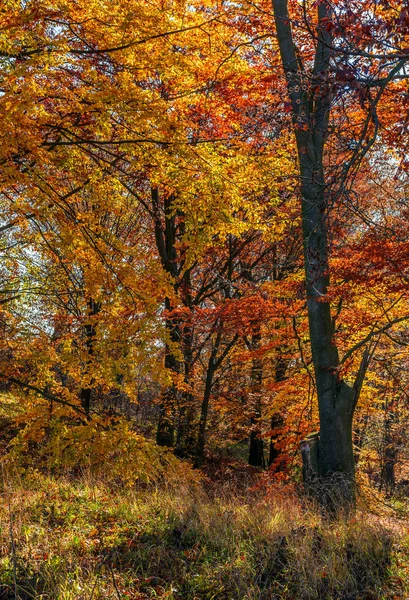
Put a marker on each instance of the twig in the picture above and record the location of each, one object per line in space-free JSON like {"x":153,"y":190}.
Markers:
{"x":113,"y":580}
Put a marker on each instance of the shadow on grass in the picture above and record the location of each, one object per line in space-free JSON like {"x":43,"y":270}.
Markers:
{"x":202,"y":548}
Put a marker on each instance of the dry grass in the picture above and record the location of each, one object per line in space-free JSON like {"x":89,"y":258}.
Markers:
{"x":85,"y":539}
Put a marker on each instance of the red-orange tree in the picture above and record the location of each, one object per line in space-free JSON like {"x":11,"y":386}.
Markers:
{"x":334,"y":54}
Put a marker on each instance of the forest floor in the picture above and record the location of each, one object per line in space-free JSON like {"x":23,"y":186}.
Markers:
{"x":226,"y":536}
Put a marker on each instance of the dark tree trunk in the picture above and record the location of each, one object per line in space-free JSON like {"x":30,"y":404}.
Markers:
{"x":186,"y":439}
{"x":336,"y":400}
{"x":165,"y":433}
{"x":214,"y":363}
{"x":165,"y":236}
{"x":186,"y":434}
{"x":310,"y":464}
{"x":256,"y":451}
{"x":201,"y":438}
{"x":177,"y":407}
{"x":85,"y":397}
{"x":90,"y":333}
{"x":388,"y":480}
{"x":277,"y":420}
{"x":389,"y":452}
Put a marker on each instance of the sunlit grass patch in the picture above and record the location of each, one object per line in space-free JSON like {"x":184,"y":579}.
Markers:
{"x":85,"y":538}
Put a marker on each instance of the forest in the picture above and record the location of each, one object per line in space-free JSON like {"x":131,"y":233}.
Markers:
{"x":204,"y":299}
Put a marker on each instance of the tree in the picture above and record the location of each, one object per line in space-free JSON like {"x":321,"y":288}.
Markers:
{"x":330,"y":63}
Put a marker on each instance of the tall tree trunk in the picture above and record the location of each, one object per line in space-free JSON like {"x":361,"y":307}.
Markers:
{"x":336,"y":400}
{"x":389,"y":452}
{"x":165,"y":237}
{"x":256,"y":451}
{"x":165,"y":433}
{"x":90,"y":332}
{"x":201,"y":438}
{"x":277,"y":419}
{"x":185,"y":442}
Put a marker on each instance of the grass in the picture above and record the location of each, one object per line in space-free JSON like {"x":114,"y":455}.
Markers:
{"x":83,"y":538}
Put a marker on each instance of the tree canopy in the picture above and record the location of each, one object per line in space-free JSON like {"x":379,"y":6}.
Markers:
{"x":204,"y":231}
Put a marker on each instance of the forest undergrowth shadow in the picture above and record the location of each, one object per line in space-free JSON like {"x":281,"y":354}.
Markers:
{"x":84,"y":538}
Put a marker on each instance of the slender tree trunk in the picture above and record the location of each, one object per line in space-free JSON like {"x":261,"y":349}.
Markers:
{"x":165,"y":433}
{"x":165,"y":236}
{"x":388,"y":479}
{"x":185,"y":442}
{"x":85,"y":397}
{"x":214,"y":363}
{"x":90,"y":333}
{"x":256,"y":451}
{"x":277,"y":419}
{"x":177,"y":407}
{"x":336,"y":400}
{"x":359,"y":434}
{"x":389,"y":452}
{"x":201,"y":438}
{"x":310,"y":466}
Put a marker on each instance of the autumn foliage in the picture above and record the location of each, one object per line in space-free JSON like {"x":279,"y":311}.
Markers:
{"x":163,"y":275}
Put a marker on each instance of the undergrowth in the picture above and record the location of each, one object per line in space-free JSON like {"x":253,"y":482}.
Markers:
{"x":87,"y":538}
